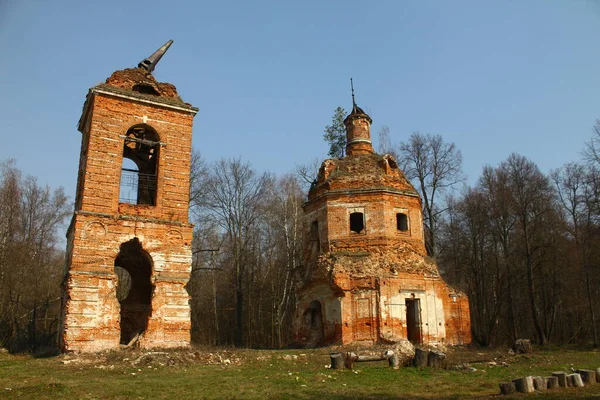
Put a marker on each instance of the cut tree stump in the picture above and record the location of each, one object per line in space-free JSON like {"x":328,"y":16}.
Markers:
{"x":539,"y":383}
{"x":420,"y":359}
{"x":523,"y":346}
{"x":574,"y":380}
{"x":524,"y":385}
{"x":507,"y":388}
{"x":552,"y":382}
{"x":436,"y":359}
{"x":349,"y":359}
{"x":597,"y":374}
{"x":394,"y":361}
{"x":588,"y":376}
{"x":337,"y":360}
{"x":562,"y":378}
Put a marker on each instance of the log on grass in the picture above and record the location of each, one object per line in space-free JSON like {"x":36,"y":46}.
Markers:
{"x":337,"y":360}
{"x":524,"y":385}
{"x":552,"y":382}
{"x":436,"y":359}
{"x":587,"y":376}
{"x":507,"y":388}
{"x":420,"y":359}
{"x":562,"y":378}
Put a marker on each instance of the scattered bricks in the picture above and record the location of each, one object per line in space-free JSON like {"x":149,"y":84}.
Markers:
{"x":507,"y":388}
{"x":539,"y":383}
{"x":562,"y":378}
{"x":588,"y":376}
{"x":552,"y":382}
{"x":574,"y":380}
{"x":524,"y":385}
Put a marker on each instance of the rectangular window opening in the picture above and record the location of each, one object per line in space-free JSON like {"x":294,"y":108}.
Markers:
{"x":357,"y":222}
{"x":402,"y":222}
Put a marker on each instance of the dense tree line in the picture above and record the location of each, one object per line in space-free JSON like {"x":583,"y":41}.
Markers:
{"x":524,"y":246}
{"x":31,"y":260}
{"x":247,"y":245}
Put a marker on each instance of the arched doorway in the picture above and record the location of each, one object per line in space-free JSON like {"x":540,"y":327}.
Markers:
{"x":133,"y":267}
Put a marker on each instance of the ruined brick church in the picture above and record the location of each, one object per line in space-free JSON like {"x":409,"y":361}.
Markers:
{"x":129,"y":251}
{"x":366,"y":276}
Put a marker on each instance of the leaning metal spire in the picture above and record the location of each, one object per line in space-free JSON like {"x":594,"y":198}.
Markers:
{"x":352,"y":86}
{"x":150,"y":63}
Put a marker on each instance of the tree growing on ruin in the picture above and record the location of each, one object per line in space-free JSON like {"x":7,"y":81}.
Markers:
{"x":335,"y":134}
{"x":435,"y":166}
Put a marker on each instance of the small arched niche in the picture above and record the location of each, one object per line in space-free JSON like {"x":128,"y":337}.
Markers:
{"x":313,"y":317}
{"x":139,"y":172}
{"x":133,"y":267}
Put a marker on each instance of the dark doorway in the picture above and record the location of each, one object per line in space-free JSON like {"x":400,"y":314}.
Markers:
{"x":133,"y":267}
{"x":314,"y":319}
{"x":413,"y":320}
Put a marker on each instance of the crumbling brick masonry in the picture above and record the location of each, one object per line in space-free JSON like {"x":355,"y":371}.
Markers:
{"x":129,"y":242}
{"x":366,"y":277}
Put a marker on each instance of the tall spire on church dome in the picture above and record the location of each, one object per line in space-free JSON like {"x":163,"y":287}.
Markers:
{"x":358,"y":129}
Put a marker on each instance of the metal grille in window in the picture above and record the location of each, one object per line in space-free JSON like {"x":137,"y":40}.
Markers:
{"x":134,"y":183}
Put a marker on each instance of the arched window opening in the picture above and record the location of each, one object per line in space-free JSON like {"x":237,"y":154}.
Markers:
{"x":133,"y":267}
{"x":128,"y":192}
{"x":402,"y":222}
{"x":140,"y":166}
{"x":357,"y":222}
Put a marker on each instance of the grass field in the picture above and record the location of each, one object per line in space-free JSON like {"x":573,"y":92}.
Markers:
{"x":281,"y":374}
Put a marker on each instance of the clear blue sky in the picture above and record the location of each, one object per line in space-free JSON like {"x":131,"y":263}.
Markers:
{"x":495,"y":77}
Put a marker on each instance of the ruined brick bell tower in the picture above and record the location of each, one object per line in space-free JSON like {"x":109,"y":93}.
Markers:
{"x":366,"y":276}
{"x":129,"y":243}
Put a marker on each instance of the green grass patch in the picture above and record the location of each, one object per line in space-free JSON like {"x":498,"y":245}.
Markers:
{"x":289,"y":374}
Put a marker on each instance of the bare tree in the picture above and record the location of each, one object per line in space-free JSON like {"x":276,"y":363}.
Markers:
{"x":307,"y":173}
{"x":575,"y":190}
{"x":233,"y":194}
{"x":435,"y":166}
{"x":591,"y":152}
{"x":385,"y":142}
{"x":31,"y":264}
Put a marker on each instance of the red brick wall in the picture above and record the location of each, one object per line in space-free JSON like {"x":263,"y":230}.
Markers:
{"x":101,"y":224}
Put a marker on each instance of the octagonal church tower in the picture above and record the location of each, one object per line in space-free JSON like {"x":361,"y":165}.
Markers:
{"x":129,"y":248}
{"x":367,"y":278}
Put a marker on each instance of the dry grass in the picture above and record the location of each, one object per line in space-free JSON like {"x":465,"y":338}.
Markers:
{"x":278,"y":374}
